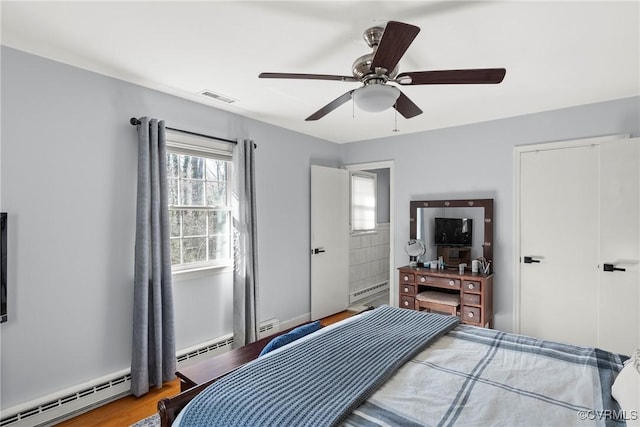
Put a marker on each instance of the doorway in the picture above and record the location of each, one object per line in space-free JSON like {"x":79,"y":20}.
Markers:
{"x":371,"y":260}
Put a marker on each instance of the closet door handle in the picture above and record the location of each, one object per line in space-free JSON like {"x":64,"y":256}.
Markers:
{"x":529,"y":260}
{"x":611,"y":267}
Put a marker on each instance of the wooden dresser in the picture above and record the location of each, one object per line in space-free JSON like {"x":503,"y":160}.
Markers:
{"x":475,"y":290}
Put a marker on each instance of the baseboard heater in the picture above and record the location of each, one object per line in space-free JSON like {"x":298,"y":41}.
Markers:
{"x":210,"y":349}
{"x":361,"y":294}
{"x":68,"y":403}
{"x":72,"y":402}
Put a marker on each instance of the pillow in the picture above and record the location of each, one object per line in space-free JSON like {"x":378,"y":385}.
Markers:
{"x":290,"y":336}
{"x":626,"y":388}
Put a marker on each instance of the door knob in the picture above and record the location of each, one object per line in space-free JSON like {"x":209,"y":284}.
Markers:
{"x":611,"y":267}
{"x":529,"y":260}
{"x":317,"y":251}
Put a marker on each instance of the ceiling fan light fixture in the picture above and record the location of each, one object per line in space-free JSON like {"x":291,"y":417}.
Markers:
{"x":376,"y":97}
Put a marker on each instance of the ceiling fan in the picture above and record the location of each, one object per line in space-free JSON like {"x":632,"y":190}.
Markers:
{"x":375,"y":70}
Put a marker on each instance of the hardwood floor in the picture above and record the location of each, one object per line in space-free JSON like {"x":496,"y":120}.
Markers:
{"x":337,"y":317}
{"x":125,"y":411}
{"x":129,"y":410}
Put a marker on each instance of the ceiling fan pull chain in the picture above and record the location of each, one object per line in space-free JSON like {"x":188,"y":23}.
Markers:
{"x":395,"y":115}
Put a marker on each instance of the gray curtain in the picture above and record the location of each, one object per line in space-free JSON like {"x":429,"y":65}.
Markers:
{"x":245,"y":277}
{"x":153,"y":358}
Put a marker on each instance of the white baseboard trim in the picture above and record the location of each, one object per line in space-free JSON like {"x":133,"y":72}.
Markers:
{"x":56,"y":407}
{"x":291,"y":323}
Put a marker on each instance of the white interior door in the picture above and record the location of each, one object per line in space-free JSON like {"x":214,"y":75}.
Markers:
{"x":329,"y":241}
{"x":619,"y":289}
{"x":579,"y":217}
{"x":558,"y":293}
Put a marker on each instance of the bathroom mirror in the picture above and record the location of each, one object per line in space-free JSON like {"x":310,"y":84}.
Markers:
{"x":422,"y":223}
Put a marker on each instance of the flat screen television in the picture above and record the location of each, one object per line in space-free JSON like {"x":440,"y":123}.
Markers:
{"x":453,"y":232}
{"x":3,"y":267}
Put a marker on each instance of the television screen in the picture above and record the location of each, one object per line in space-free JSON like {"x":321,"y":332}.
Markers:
{"x":3,"y":267}
{"x":453,"y":232}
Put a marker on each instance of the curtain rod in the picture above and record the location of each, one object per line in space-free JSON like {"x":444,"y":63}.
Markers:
{"x":136,"y":122}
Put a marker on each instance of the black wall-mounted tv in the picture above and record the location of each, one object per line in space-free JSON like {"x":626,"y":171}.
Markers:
{"x":3,"y":267}
{"x":453,"y":232}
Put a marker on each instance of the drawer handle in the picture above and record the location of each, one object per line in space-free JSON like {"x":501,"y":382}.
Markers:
{"x":406,"y":303}
{"x":406,"y":290}
{"x":470,"y":314}
{"x":451,"y":282}
{"x":471,"y":286}
{"x":422,"y":279}
{"x":405,"y":278}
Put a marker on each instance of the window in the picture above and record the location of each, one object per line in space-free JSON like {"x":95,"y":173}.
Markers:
{"x":199,"y":204}
{"x":363,"y":202}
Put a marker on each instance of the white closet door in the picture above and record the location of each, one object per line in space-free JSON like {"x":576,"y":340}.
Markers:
{"x":559,"y":223}
{"x":619,"y":291}
{"x":579,"y":209}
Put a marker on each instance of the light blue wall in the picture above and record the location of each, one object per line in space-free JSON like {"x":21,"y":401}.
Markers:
{"x":68,"y":174}
{"x":476,"y":161}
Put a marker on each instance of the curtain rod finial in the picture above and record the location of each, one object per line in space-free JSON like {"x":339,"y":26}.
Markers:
{"x":134,"y":121}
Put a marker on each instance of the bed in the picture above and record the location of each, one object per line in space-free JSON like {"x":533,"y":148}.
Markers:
{"x":396,"y":367}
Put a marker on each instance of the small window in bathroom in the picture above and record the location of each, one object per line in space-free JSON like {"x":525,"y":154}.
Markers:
{"x":363,"y":202}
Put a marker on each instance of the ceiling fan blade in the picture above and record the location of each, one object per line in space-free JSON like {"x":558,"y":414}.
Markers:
{"x":471,"y":76}
{"x":330,"y":106}
{"x":395,"y":41}
{"x":307,"y":76}
{"x":406,"y":107}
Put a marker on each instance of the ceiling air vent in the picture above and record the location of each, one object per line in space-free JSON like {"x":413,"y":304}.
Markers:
{"x":217,"y":96}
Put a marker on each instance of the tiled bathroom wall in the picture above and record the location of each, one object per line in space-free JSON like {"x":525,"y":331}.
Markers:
{"x":369,"y":259}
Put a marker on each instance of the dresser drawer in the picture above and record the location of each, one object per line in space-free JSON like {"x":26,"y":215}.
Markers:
{"x":470,"y":298}
{"x":407,"y":302}
{"x":407,"y":289}
{"x":440,"y":282}
{"x":407,"y":278}
{"x":471,"y":285}
{"x":471,"y":314}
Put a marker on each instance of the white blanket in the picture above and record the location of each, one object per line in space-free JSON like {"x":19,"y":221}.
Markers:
{"x":482,"y":377}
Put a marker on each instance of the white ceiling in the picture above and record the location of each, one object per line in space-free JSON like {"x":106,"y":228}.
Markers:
{"x":557,"y":54}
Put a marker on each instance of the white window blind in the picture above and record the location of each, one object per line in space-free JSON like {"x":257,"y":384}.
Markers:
{"x":198,"y":146}
{"x":363,"y":201}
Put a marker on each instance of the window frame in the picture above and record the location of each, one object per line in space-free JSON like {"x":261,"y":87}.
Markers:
{"x":374,"y":178}
{"x":181,"y":144}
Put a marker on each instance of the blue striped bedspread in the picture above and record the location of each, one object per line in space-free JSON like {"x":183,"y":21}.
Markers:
{"x":321,"y":380}
{"x":482,"y":377}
